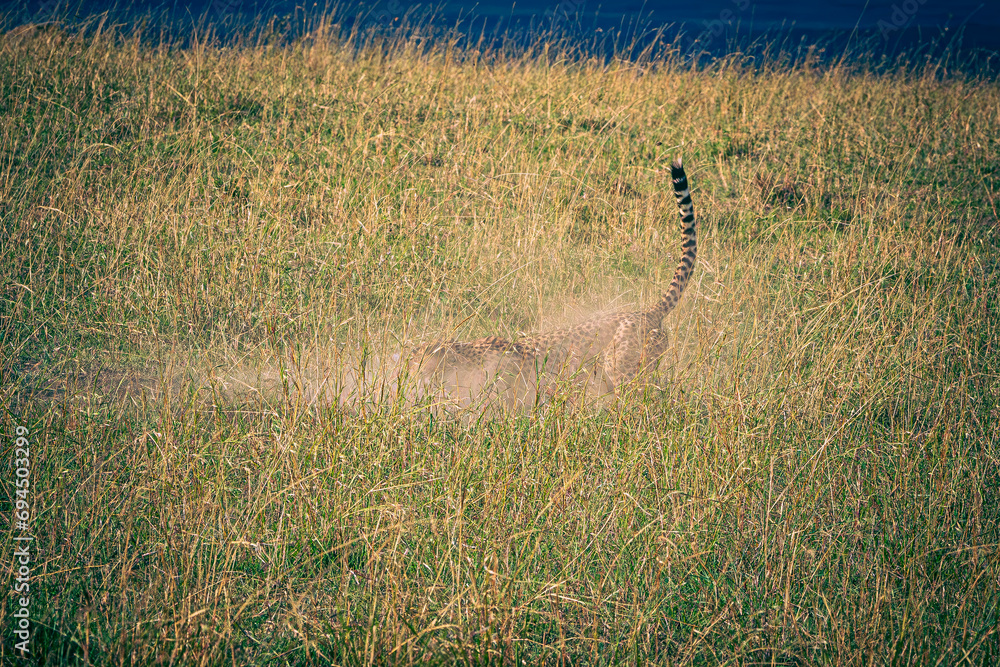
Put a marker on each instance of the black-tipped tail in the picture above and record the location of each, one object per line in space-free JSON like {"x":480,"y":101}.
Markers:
{"x":689,"y":241}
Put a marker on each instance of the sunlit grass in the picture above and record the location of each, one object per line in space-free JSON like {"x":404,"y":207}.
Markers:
{"x":809,"y":478}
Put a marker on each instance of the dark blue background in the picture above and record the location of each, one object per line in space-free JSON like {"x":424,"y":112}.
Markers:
{"x":879,"y":27}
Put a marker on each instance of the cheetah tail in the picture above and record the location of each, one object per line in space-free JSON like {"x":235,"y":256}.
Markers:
{"x":689,"y":242}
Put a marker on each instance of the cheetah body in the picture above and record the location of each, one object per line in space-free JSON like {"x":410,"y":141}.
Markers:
{"x":606,"y":351}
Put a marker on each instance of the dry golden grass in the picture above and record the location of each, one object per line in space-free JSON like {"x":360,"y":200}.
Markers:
{"x":810,"y":477}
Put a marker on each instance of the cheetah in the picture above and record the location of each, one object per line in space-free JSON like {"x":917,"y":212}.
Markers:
{"x":610,"y":350}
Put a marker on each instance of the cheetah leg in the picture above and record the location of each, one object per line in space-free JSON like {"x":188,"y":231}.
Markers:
{"x":623,"y":363}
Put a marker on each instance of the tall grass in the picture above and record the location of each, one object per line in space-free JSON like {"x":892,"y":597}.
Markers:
{"x":810,"y":478}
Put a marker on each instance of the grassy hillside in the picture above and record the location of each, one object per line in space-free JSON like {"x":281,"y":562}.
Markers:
{"x":810,"y":477}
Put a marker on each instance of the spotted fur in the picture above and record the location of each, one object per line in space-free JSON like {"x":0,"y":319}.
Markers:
{"x":612,"y":348}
